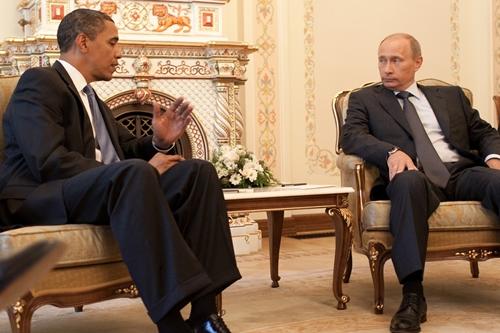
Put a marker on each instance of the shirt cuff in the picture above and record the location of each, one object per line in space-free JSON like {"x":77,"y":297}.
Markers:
{"x":491,"y":156}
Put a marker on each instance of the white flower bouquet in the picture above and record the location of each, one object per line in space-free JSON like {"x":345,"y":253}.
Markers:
{"x":239,"y":168}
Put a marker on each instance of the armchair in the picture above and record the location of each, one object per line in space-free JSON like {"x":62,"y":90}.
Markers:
{"x":90,"y":270}
{"x":457,"y":230}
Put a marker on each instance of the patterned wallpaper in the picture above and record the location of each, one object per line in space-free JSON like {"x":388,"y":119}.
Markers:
{"x":319,"y":160}
{"x":266,"y":64}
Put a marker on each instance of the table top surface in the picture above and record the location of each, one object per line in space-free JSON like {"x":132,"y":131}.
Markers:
{"x":287,"y":191}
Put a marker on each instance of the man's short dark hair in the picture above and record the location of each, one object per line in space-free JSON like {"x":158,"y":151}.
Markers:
{"x":414,"y":44}
{"x":87,"y":21}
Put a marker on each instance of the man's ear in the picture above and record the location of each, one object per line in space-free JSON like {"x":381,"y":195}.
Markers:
{"x":81,"y":42}
{"x":418,"y":61}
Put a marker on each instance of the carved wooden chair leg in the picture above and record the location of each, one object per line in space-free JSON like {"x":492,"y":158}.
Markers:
{"x":348,"y":268}
{"x":377,"y":257}
{"x":474,"y":268}
{"x":79,"y":308}
{"x":20,"y":315}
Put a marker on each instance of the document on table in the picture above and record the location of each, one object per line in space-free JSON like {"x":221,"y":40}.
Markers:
{"x":283,"y":187}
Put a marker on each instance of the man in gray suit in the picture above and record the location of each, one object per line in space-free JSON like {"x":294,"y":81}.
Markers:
{"x":430,"y":146}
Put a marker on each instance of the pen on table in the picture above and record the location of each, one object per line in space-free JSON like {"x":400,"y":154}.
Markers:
{"x":292,"y":184}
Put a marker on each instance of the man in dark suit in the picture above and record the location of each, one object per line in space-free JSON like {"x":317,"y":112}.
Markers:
{"x":445,"y":151}
{"x":68,"y":161}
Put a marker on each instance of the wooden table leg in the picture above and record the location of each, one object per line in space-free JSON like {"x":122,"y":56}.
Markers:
{"x":343,"y":241}
{"x":218,"y":304}
{"x":275,"y":228}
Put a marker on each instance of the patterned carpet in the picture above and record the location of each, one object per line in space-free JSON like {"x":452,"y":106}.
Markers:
{"x":304,"y":301}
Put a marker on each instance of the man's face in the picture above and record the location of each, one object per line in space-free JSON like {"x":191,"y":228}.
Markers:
{"x":102,"y":53}
{"x":396,"y":63}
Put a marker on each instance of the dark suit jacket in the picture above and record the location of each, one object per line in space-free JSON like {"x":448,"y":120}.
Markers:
{"x":48,"y":136}
{"x":375,"y":123}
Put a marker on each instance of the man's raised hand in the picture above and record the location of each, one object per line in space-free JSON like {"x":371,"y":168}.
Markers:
{"x":169,"y":125}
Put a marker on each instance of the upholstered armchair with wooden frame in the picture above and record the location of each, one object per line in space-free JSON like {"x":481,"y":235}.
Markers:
{"x":90,"y":270}
{"x":457,"y":230}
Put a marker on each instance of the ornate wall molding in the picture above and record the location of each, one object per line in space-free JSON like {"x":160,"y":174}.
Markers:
{"x":319,"y":160}
{"x":266,"y":82}
{"x":455,"y":41}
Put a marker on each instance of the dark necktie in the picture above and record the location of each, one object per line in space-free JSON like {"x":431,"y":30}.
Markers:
{"x":433,"y":167}
{"x":108,"y":152}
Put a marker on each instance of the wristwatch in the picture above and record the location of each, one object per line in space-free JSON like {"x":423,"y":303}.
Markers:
{"x":392,"y":151}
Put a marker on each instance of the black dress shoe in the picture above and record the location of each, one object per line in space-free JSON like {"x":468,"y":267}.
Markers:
{"x":20,"y":270}
{"x":411,"y":312}
{"x":214,"y":324}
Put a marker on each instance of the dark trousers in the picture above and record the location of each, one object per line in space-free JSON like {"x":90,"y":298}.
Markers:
{"x":414,"y":199}
{"x":172,"y":229}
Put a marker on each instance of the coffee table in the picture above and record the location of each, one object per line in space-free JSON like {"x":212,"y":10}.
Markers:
{"x":275,"y":200}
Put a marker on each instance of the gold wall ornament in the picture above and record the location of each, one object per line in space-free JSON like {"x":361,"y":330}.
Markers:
{"x":475,"y":254}
{"x":131,"y":291}
{"x":18,"y":310}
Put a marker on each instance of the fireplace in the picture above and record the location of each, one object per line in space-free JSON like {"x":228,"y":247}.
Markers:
{"x":137,"y":118}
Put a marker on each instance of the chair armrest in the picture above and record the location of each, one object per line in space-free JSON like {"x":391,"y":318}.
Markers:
{"x":355,"y":173}
{"x":348,"y":162}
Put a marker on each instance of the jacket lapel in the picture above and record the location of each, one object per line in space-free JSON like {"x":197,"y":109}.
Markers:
{"x":390,"y":104}
{"x":88,"y":137}
{"x":439,"y":106}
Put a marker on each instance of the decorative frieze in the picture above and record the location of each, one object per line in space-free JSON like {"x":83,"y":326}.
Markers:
{"x":136,"y":19}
